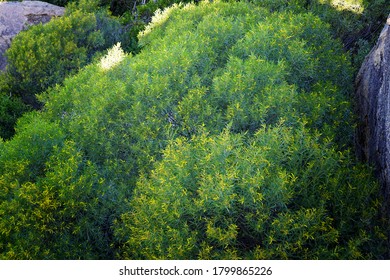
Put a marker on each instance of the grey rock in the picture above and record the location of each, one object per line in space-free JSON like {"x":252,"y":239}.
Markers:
{"x":373,"y":110}
{"x":18,"y":16}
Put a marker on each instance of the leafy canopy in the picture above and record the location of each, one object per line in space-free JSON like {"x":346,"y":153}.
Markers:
{"x":227,"y":136}
{"x":45,"y":55}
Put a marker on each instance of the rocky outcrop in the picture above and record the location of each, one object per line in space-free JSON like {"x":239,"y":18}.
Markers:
{"x":18,"y":16}
{"x":373,"y":108}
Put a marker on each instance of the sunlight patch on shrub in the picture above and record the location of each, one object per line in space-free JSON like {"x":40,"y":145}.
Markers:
{"x":114,"y":56}
{"x":354,"y":6}
{"x":158,"y":19}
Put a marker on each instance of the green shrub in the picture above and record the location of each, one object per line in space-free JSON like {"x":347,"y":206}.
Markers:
{"x":119,"y":7}
{"x":25,"y":155}
{"x":353,"y":21}
{"x":58,"y":216}
{"x":252,"y":80}
{"x":54,"y":202}
{"x":216,"y":115}
{"x":44,"y":55}
{"x":278,"y":195}
{"x":11,"y":108}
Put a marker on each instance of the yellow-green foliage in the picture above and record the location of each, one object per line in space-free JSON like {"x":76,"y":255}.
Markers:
{"x":276,"y":195}
{"x":356,"y":22}
{"x":44,"y":55}
{"x":228,"y":136}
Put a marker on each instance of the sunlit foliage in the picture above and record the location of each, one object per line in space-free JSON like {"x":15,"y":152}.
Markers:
{"x":44,"y":55}
{"x":227,"y":136}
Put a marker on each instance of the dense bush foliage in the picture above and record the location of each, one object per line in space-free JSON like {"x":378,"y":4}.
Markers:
{"x":144,"y":8}
{"x":52,"y":216}
{"x":277,"y":195}
{"x":356,"y":22}
{"x":11,"y":108}
{"x":34,"y":58}
{"x":227,"y":136}
{"x":45,"y":54}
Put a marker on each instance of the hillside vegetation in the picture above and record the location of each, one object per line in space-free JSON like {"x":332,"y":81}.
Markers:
{"x":226,"y":134}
